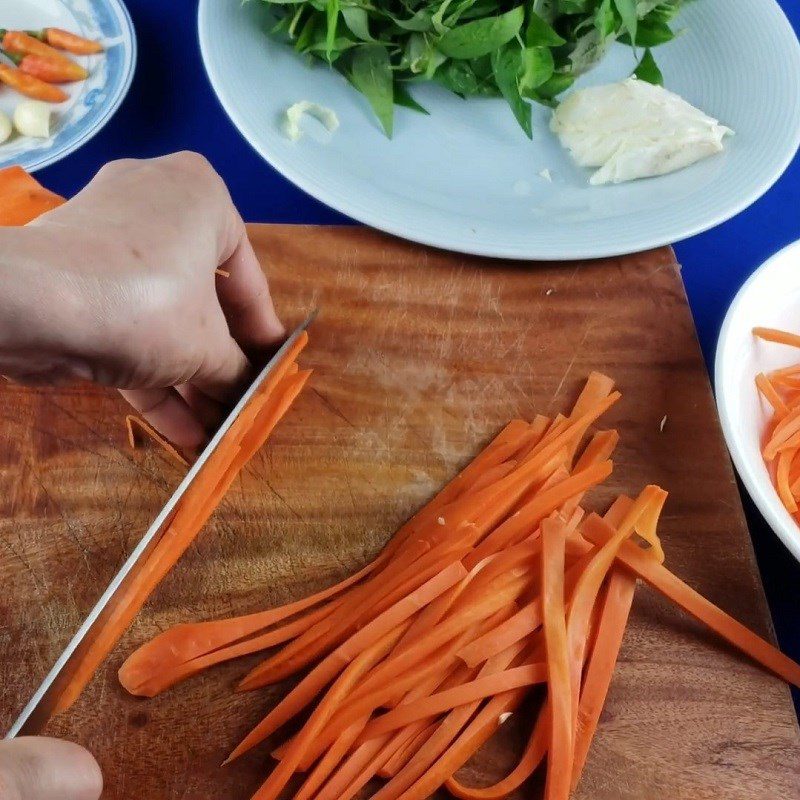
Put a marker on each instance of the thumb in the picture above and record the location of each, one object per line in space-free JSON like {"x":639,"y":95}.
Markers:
{"x":40,"y":768}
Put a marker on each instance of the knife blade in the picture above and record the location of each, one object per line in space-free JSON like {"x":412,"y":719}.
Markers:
{"x":40,"y":707}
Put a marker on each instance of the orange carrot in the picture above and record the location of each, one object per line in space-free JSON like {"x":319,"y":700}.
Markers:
{"x":785,"y":458}
{"x":22,"y":198}
{"x":324,"y":672}
{"x":145,"y":427}
{"x":600,"y":668}
{"x":661,"y":579}
{"x":766,"y":388}
{"x":780,"y":337}
{"x":559,"y":752}
{"x":194,"y":509}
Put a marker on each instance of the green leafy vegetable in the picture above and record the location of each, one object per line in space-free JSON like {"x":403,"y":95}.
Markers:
{"x":648,"y":70}
{"x":371,"y":74}
{"x":521,"y":50}
{"x":482,"y":36}
{"x":507,"y":64}
{"x":630,"y":18}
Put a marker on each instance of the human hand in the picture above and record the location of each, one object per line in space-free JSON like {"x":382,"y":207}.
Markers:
{"x":40,"y":768}
{"x":119,"y":287}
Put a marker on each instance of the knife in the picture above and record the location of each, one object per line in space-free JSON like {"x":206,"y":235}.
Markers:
{"x":40,"y":707}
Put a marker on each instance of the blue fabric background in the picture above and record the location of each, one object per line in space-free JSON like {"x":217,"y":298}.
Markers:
{"x":171,"y":107}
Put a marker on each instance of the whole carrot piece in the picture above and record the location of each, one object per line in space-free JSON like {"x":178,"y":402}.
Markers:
{"x":49,"y":70}
{"x":30,"y":86}
{"x":72,"y":43}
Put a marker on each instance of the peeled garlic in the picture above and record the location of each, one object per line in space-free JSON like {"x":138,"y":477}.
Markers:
{"x":32,"y":118}
{"x":5,"y":127}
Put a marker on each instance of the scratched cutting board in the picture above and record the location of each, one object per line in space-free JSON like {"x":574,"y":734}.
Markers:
{"x":419,"y":358}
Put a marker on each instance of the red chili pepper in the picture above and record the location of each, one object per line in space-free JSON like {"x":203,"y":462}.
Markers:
{"x":47,"y":69}
{"x":30,"y":86}
{"x":72,"y":43}
{"x":24,"y":44}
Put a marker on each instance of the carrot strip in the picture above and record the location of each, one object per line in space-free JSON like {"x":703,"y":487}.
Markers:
{"x":23,"y":198}
{"x":324,"y":672}
{"x":461,"y":695}
{"x":279,"y":777}
{"x":559,"y":752}
{"x":600,"y":668}
{"x":183,"y":643}
{"x":532,"y":756}
{"x":455,"y":754}
{"x":596,"y":389}
{"x":774,"y":335}
{"x":588,"y":585}
{"x":531,"y":514}
{"x":150,"y":685}
{"x":673,"y":588}
{"x":145,"y":427}
{"x":196,"y":506}
{"x":785,"y":458}
{"x":406,"y":750}
{"x":766,"y":388}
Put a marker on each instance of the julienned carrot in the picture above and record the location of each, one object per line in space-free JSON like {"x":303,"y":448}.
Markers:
{"x":559,"y":753}
{"x":535,"y":751}
{"x":187,"y":642}
{"x":766,"y":388}
{"x":778,"y":336}
{"x":321,"y":675}
{"x":616,"y":607}
{"x":145,"y":427}
{"x":390,"y":695}
{"x":191,"y":514}
{"x":159,"y":680}
{"x":23,"y":198}
{"x":672,"y":587}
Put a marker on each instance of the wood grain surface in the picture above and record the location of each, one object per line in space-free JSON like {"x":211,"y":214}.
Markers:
{"x":419,"y":357}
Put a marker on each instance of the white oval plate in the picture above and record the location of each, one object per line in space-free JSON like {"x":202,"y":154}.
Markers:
{"x":466,"y":178}
{"x":92,"y":102}
{"x":770,"y":298}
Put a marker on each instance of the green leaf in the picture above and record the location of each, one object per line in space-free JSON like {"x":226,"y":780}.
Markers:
{"x":307,"y":33}
{"x":332,"y":16}
{"x":357,"y":21}
{"x":507,"y":63}
{"x":537,"y":68}
{"x":604,"y":21}
{"x":651,"y":33}
{"x":403,"y":98}
{"x":540,"y":34}
{"x":371,"y":74}
{"x":421,"y":21}
{"x":630,"y":19}
{"x":648,"y":69}
{"x":553,"y":87}
{"x":482,"y":36}
{"x":575,"y":6}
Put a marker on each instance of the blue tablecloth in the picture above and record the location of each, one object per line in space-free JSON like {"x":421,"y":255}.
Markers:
{"x":171,"y":107}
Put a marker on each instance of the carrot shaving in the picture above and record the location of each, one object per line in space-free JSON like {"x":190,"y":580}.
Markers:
{"x":132,"y":422}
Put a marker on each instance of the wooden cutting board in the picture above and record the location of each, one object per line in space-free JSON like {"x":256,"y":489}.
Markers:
{"x":419,"y":357}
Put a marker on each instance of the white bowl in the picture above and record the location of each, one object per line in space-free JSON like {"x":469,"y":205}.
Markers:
{"x":770,"y":298}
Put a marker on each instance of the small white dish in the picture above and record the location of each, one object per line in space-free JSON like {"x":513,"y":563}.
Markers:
{"x":770,"y":298}
{"x":92,"y":102}
{"x":465,"y":178}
